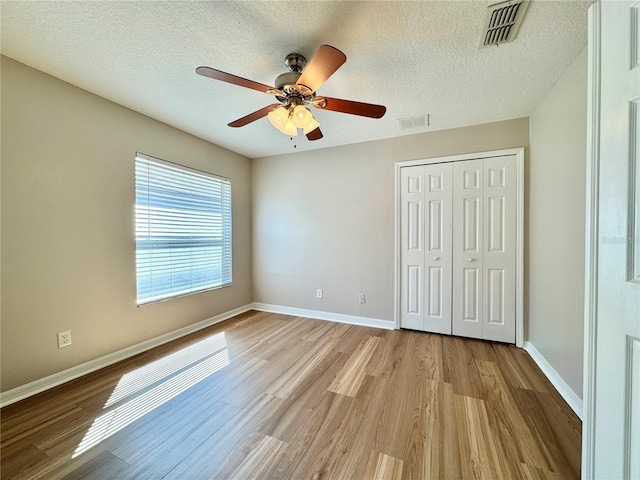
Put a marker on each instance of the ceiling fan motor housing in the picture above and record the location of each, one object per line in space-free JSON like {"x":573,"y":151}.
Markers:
{"x":289,"y":78}
{"x":293,"y":94}
{"x":296,"y":94}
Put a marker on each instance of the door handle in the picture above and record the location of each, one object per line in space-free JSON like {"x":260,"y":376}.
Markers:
{"x":471,"y":259}
{"x":436,"y":258}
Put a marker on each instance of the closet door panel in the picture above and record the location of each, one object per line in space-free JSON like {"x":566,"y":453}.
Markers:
{"x":499,"y":257}
{"x":470,"y":305}
{"x":438,"y":249}
{"x":412,"y":199}
{"x":467,"y":309}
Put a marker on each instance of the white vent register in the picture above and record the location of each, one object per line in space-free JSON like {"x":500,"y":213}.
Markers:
{"x":502,"y":21}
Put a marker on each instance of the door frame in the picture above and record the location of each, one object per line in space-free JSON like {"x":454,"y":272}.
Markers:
{"x":591,"y":240}
{"x":519,"y":153}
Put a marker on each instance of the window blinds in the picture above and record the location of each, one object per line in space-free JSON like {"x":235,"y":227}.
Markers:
{"x":183,"y":230}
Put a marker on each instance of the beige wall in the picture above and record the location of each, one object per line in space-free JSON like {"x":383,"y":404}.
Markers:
{"x":325,"y":219}
{"x":68,"y":247}
{"x":558,"y":129}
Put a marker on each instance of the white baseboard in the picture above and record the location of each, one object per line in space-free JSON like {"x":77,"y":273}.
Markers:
{"x":37,"y":386}
{"x":319,"y":315}
{"x":554,"y":377}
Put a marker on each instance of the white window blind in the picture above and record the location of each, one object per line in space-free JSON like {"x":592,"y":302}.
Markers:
{"x":183,"y":230}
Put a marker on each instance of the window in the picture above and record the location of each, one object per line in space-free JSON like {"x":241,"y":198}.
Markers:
{"x":183,"y":230}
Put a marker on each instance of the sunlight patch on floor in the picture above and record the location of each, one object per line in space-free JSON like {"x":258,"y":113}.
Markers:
{"x":147,"y":375}
{"x":120,"y":417}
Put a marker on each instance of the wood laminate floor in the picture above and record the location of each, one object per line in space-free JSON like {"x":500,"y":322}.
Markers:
{"x":266,"y":396}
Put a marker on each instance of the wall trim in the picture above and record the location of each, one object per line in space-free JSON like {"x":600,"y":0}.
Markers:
{"x":38,"y":386}
{"x":329,"y":316}
{"x":554,"y":377}
{"x":519,"y":154}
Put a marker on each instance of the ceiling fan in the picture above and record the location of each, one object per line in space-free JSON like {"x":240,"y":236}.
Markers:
{"x":296,"y":90}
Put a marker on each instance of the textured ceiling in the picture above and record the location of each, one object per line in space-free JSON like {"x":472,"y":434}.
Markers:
{"x":414,"y":57}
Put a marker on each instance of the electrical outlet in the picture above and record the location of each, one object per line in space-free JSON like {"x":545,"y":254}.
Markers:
{"x":319,"y":293}
{"x":64,"y":339}
{"x":362,"y":298}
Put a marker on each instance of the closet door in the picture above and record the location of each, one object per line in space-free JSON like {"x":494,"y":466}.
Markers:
{"x":438,"y":248}
{"x":499,"y":257}
{"x":412,"y":198}
{"x":425,"y":222}
{"x":484,"y":248}
{"x":467,"y":248}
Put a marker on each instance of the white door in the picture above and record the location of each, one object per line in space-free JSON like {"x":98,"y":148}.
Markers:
{"x":438,"y":198}
{"x":467,"y":248}
{"x":499,"y":245}
{"x":425,"y":221}
{"x":412,"y":200}
{"x":612,"y":422}
{"x":484,"y":248}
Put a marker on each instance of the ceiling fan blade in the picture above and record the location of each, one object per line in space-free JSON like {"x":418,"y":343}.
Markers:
{"x":349,"y":106}
{"x":314,"y":134}
{"x":229,"y":78}
{"x":323,"y":64}
{"x":252,"y":117}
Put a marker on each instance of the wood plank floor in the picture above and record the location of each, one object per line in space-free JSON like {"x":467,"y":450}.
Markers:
{"x":266,"y":396}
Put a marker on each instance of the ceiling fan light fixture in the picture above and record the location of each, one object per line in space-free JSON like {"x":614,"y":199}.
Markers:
{"x":289,"y":128}
{"x":302,"y":116}
{"x":278,"y":117}
{"x":311,"y":126}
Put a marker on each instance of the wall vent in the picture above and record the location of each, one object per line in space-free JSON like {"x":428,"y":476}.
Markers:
{"x":502,"y":21}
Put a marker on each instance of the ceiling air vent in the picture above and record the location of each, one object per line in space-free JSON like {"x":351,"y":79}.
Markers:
{"x":419,"y":121}
{"x":502,"y":21}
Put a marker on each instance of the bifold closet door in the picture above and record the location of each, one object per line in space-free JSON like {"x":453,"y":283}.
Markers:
{"x":426,"y":265}
{"x":467,"y":248}
{"x":484,"y":248}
